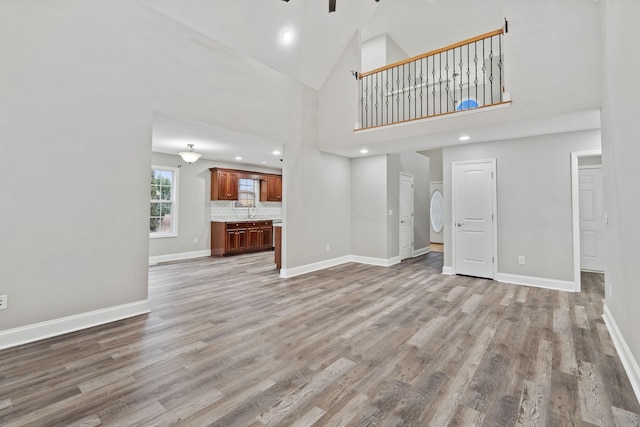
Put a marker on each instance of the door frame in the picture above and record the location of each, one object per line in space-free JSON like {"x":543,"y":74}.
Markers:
{"x":413,"y":209}
{"x":494,"y":190}
{"x":575,"y":213}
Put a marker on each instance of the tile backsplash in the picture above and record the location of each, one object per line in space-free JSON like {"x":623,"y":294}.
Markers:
{"x":223,"y":210}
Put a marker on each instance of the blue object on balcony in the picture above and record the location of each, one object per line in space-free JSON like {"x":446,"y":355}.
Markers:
{"x":467,"y":104}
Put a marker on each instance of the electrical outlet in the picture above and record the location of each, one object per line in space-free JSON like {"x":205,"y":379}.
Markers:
{"x":521,"y":260}
{"x":3,"y":302}
{"x":328,"y":248}
{"x":390,"y":212}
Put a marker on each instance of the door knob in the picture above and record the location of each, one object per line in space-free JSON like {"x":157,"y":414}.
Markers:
{"x":402,"y":221}
{"x":460,"y":224}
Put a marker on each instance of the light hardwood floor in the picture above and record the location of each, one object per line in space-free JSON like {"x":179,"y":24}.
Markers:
{"x":230,"y":344}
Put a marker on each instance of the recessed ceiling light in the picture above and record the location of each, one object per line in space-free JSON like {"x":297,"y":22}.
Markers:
{"x":286,"y":36}
{"x":238,"y":158}
{"x":275,"y":153}
{"x":364,"y":151}
{"x":464,"y":138}
{"x":264,"y":163}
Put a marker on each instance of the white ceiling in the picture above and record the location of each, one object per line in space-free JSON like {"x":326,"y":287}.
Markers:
{"x":172,"y":134}
{"x":252,"y":28}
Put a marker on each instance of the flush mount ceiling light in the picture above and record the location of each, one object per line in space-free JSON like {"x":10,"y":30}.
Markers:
{"x":189,"y":155}
{"x":286,"y":36}
{"x":238,"y":158}
{"x":464,"y":138}
{"x":276,"y":152}
{"x":364,"y":151}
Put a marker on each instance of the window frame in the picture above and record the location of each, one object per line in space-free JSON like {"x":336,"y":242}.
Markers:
{"x":174,"y":203}
{"x":256,"y":194}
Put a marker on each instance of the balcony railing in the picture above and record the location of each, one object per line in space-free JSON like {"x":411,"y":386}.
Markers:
{"x":459,"y":77}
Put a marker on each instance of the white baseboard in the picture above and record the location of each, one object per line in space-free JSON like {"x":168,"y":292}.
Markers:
{"x":375,"y":261}
{"x":64,"y":325}
{"x":448,"y":270}
{"x":309,"y":268}
{"x":626,"y":357}
{"x":421,"y":251}
{"x":538,"y":282}
{"x":177,"y":257}
{"x":315,"y":266}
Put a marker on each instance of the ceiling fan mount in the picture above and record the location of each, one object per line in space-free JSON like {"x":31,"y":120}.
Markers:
{"x":332,"y":4}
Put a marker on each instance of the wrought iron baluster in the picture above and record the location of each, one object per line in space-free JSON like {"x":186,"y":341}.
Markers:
{"x":404,"y":108}
{"x":500,"y":64}
{"x":415,"y":90}
{"x":391,"y":119}
{"x":424,"y":86}
{"x":365,"y":121}
{"x":376,"y":96}
{"x":461,"y":84}
{"x":372,"y":98}
{"x":408,"y":105}
{"x":361,"y":87}
{"x":446,"y":88}
{"x":386,"y":94}
{"x":484,"y":75}
{"x":440,"y":77}
{"x":491,"y":66}
{"x":475,"y":60}
{"x":468,"y":76}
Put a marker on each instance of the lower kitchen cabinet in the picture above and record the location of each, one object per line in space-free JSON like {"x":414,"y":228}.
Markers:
{"x":229,"y":238}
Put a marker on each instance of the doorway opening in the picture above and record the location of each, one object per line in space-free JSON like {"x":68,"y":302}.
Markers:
{"x":406,"y":215}
{"x":588,"y":217}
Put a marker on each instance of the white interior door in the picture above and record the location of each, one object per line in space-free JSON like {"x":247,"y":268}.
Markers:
{"x":473,"y":218}
{"x":591,"y":219}
{"x":406,"y":216}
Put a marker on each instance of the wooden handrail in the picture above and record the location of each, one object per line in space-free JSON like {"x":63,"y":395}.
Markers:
{"x":433,"y":52}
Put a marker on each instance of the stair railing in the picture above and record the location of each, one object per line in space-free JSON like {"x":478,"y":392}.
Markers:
{"x":458,"y":77}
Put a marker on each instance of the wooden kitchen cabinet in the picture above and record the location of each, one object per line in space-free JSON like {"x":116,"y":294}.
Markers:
{"x":236,"y":238}
{"x":259,"y":235}
{"x":271,"y":188}
{"x":224,"y":184}
{"x":229,"y":238}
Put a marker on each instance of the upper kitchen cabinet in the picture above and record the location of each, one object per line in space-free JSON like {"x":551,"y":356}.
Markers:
{"x":224,"y":184}
{"x":271,"y":188}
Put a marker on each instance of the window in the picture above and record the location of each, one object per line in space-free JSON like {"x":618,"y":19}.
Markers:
{"x":163,"y":211}
{"x":246,"y":193}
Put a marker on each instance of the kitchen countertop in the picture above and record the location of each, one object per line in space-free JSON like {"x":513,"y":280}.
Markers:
{"x":231,"y":219}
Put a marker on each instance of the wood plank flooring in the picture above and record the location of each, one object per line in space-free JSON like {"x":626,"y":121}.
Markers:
{"x":229,"y":343}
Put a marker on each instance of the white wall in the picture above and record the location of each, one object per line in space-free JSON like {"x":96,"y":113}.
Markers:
{"x":374,"y":53}
{"x":435,"y":164}
{"x":375,"y":191}
{"x":369,"y":207}
{"x":534,"y":200}
{"x":418,"y":166}
{"x":394,"y":53}
{"x":79,"y":83}
{"x":620,"y":154}
{"x":338,"y":97}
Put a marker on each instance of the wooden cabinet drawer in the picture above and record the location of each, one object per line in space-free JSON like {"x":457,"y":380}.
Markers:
{"x":236,"y":225}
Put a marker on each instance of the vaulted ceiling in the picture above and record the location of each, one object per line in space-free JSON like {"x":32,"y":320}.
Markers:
{"x":253,"y":27}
